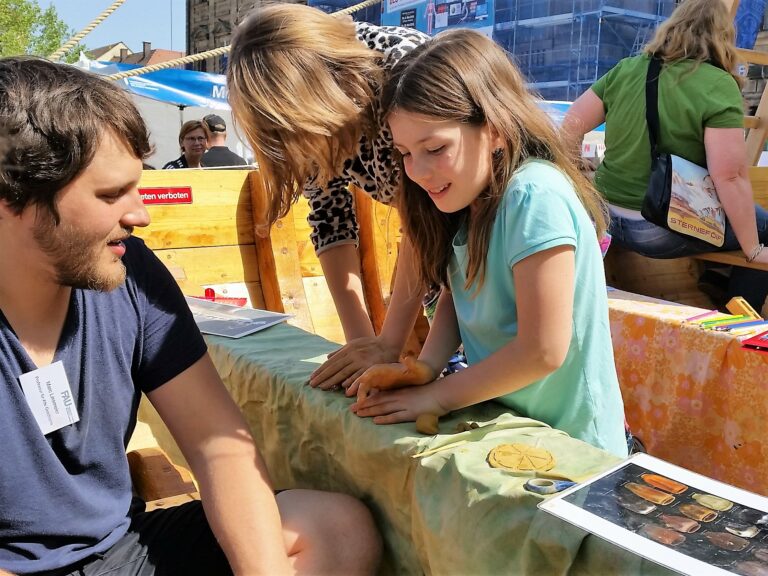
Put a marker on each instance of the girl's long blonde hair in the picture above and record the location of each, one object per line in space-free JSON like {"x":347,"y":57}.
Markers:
{"x":699,"y":30}
{"x":463,"y":76}
{"x":301,"y":86}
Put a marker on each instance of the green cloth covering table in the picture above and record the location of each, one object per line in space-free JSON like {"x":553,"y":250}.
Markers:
{"x":448,"y":513}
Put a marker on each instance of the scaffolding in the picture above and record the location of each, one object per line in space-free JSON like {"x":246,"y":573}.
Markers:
{"x":563,"y":46}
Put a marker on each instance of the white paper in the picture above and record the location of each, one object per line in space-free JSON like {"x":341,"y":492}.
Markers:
{"x":593,"y":506}
{"x":49,"y":397}
{"x":231,"y":321}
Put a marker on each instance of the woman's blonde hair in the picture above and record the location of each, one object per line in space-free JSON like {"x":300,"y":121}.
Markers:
{"x":699,"y":30}
{"x":301,"y":86}
{"x":188,"y":127}
{"x":462,"y":76}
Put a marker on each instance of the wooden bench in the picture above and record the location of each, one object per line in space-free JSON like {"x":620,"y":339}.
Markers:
{"x":218,"y":241}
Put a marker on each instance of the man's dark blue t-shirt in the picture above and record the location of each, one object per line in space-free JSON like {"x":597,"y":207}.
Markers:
{"x":67,"y":495}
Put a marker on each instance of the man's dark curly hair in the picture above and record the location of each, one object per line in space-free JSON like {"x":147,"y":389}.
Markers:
{"x":53,"y":119}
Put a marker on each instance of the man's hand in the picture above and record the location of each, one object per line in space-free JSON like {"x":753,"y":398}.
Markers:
{"x":348,"y":363}
{"x":409,"y":372}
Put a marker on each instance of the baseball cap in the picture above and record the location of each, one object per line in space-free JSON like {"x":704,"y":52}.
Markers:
{"x":215,"y":123}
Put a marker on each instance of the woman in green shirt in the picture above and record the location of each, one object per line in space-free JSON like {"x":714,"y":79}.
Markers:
{"x":701,"y":118}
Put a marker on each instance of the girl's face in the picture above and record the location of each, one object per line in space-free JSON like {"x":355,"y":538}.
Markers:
{"x":450,"y":160}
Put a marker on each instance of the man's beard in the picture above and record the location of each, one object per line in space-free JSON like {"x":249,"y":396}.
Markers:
{"x":76,"y":255}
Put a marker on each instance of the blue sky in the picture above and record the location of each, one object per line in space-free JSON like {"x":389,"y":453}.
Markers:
{"x":133,"y":22}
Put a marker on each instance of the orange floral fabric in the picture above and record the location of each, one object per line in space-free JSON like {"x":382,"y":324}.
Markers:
{"x":694,"y":397}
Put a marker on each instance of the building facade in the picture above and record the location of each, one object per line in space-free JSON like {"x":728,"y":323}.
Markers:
{"x":210,"y":24}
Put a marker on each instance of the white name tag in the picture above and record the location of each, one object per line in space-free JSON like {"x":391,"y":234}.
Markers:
{"x":50,"y":397}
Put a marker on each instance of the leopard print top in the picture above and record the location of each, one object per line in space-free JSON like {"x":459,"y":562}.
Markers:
{"x":332,"y":213}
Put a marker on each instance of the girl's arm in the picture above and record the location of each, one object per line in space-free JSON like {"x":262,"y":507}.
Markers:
{"x":442,"y":341}
{"x":726,"y":161}
{"x":443,"y":338}
{"x":545,"y":285}
{"x":341,"y":268}
{"x":348,"y":363}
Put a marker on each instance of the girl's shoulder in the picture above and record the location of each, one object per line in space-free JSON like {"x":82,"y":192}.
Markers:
{"x":538,"y":173}
{"x":393,"y":42}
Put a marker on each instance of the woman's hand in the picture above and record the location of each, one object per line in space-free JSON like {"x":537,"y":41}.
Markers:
{"x":408,"y":372}
{"x":349,"y":362}
{"x":404,"y":405}
{"x":762,"y":257}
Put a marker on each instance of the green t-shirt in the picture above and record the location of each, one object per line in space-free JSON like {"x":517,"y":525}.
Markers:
{"x":540,"y":211}
{"x":689,"y":100}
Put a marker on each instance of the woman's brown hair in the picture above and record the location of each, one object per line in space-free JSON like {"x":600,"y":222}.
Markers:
{"x":699,"y":30}
{"x":301,"y":86}
{"x":463,"y":76}
{"x":188,"y":127}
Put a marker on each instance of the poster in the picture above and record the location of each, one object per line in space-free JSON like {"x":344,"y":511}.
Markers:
{"x":433,"y":16}
{"x":679,"y":519}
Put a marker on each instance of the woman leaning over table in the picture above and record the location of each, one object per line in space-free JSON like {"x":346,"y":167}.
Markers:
{"x":304,"y":88}
{"x":701,"y":117}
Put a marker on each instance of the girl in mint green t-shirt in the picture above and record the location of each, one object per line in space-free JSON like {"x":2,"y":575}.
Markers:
{"x":498,"y":213}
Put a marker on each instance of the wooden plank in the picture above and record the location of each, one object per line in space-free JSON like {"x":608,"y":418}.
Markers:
{"x":194,"y":268}
{"x":220,"y":213}
{"x":734,"y":258}
{"x":756,"y":136}
{"x":368,"y":260}
{"x":751,"y":56}
{"x":278,"y":262}
{"x":674,"y":279}
{"x":387,"y":231}
{"x":154,"y":476}
{"x":758,"y":175}
{"x":324,"y":317}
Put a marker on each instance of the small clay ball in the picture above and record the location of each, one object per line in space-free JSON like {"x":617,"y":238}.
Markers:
{"x":427,"y":424}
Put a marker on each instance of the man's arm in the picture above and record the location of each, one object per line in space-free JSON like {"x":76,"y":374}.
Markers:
{"x":234,"y":484}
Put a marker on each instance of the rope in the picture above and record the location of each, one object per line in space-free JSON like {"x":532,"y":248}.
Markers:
{"x":216,"y":51}
{"x":72,"y":42}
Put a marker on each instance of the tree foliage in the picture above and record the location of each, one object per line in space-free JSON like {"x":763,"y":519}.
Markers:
{"x":25,"y":28}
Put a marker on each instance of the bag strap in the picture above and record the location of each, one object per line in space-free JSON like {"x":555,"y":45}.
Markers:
{"x":652,"y":103}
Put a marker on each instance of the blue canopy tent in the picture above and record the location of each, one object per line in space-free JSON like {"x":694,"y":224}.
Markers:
{"x":168,"y":98}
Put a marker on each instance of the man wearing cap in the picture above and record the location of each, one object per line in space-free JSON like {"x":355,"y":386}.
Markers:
{"x":218,"y":154}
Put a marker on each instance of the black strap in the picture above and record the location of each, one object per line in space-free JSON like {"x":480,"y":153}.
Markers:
{"x":652,"y":103}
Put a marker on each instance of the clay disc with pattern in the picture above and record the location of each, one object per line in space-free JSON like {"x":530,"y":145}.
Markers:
{"x":521,"y":457}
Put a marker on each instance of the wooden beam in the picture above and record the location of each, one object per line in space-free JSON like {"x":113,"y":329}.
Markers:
{"x":279,"y":266}
{"x":368,"y":259}
{"x":756,"y":136}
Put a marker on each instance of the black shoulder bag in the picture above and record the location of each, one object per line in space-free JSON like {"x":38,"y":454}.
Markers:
{"x":680,"y":196}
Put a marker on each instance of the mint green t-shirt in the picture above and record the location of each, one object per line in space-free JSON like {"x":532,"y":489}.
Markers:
{"x":541,"y":210}
{"x":689,"y":101}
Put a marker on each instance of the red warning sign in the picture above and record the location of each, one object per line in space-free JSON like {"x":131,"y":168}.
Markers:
{"x":167,"y":195}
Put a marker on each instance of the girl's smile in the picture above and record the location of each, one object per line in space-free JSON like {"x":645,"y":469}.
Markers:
{"x":450,"y":160}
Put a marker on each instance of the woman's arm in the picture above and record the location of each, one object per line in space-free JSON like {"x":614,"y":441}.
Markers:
{"x":584,"y":115}
{"x":726,"y":162}
{"x":545,"y":285}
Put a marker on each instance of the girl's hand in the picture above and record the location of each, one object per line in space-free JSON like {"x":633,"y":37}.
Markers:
{"x":409,"y":372}
{"x":348,"y":363}
{"x":393,"y":406}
